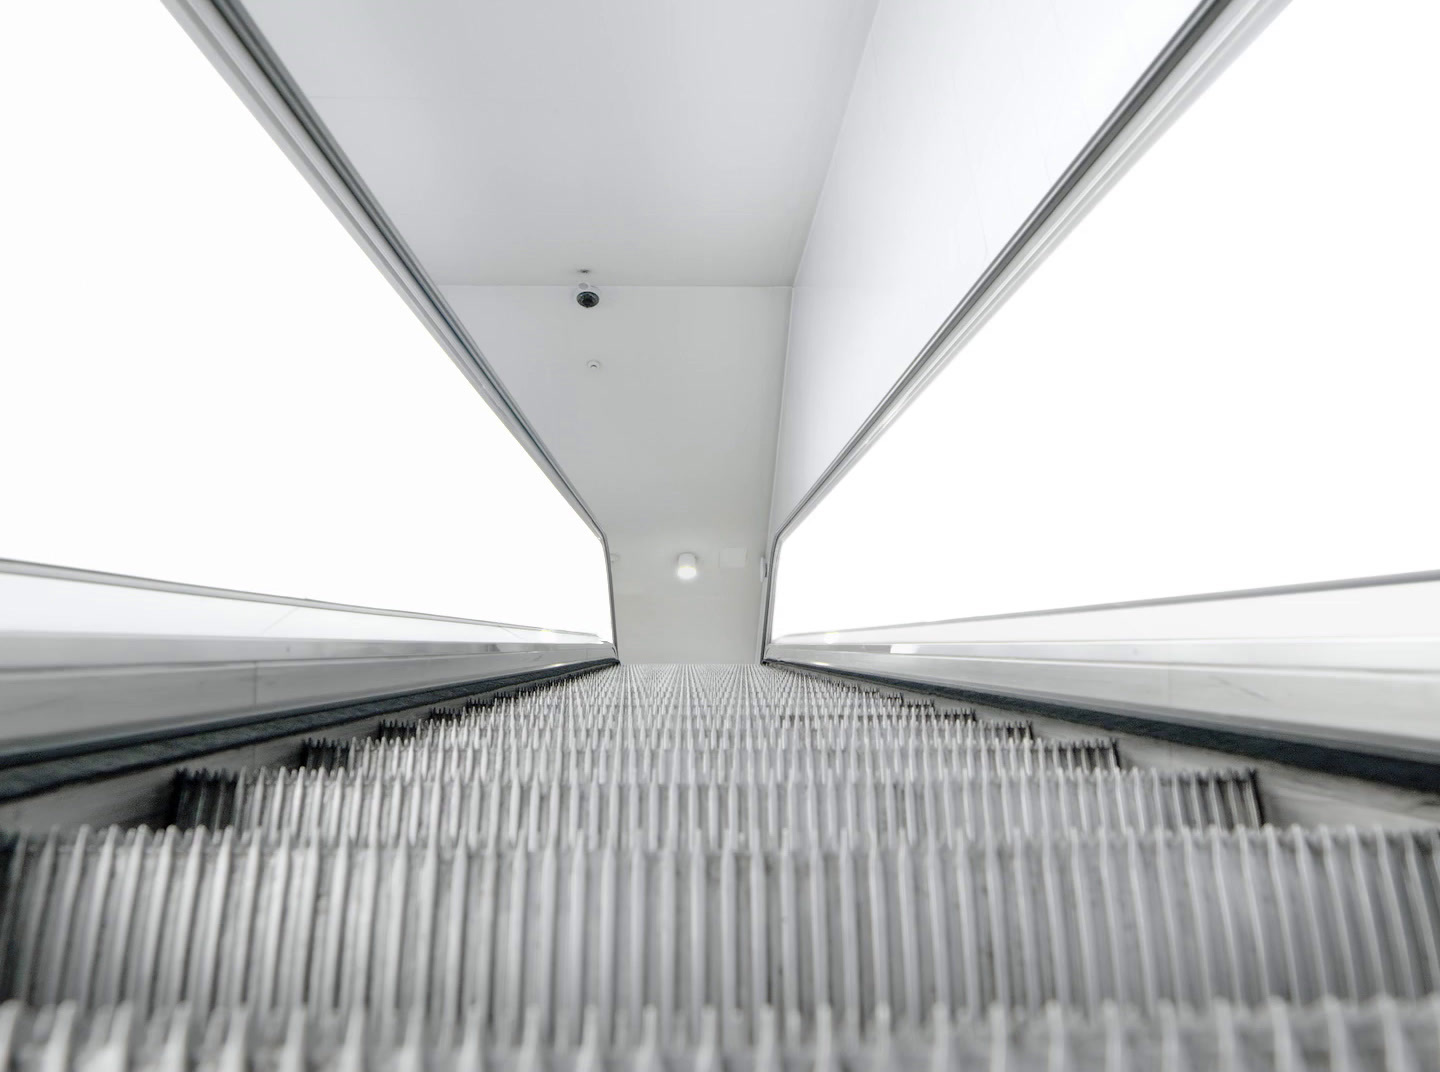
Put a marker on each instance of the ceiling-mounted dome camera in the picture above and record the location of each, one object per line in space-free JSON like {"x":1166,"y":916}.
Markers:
{"x":586,"y":296}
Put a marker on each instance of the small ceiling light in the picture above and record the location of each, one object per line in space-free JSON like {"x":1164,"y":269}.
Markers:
{"x":685,"y":566}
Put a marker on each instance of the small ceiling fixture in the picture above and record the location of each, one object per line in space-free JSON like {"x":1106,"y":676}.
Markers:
{"x":685,"y":566}
{"x":593,"y":365}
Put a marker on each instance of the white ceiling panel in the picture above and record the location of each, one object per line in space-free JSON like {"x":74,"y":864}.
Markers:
{"x":654,"y":142}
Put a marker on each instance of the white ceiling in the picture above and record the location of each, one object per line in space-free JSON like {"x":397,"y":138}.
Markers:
{"x":656,"y":142}
{"x":676,"y":149}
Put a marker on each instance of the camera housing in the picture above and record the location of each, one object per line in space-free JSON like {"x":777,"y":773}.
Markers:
{"x":586,"y":296}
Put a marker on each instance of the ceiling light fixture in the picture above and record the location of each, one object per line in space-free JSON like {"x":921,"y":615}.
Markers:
{"x":685,"y":566}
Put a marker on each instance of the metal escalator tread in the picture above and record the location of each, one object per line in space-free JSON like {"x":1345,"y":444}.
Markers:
{"x":797,"y":811}
{"x":679,"y":866}
{"x":1383,"y":1034}
{"x":1136,"y":918}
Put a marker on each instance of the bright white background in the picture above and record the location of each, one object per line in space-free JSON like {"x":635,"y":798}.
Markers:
{"x":1226,"y":377}
{"x":202,"y":377}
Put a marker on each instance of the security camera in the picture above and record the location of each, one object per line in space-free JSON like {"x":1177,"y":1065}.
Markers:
{"x":586,"y":296}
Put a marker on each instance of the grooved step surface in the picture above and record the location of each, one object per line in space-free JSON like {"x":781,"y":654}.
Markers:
{"x":677,"y":867}
{"x":160,"y":919}
{"x":771,"y":814}
{"x":1334,"y":1036}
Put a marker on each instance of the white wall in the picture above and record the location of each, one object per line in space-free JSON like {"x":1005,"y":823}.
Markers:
{"x":676,"y":151}
{"x":1199,"y":389}
{"x":204,"y":379}
{"x":962,"y":116}
{"x":671,"y":441}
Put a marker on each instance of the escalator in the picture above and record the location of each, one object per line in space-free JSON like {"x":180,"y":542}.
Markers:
{"x":695,"y":866}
